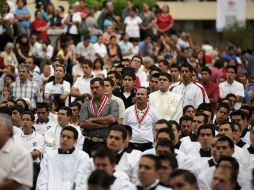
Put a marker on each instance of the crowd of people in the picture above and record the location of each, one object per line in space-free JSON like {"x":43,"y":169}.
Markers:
{"x":89,"y":104}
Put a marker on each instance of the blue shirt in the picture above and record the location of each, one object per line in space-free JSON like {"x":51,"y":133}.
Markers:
{"x":23,"y":23}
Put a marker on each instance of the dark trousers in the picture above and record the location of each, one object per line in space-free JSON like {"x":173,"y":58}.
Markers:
{"x":141,"y":146}
{"x":36,"y":168}
{"x":89,"y":146}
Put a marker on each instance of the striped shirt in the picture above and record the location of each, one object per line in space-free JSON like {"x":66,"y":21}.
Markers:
{"x":27,"y":90}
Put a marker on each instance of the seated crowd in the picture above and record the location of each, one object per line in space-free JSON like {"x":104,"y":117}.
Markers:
{"x":86,"y":105}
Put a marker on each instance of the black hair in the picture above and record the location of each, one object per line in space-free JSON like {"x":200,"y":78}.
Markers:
{"x":84,"y":61}
{"x":187,"y":175}
{"x":185,"y":108}
{"x":231,"y":124}
{"x":168,"y":131}
{"x":100,"y":61}
{"x":173,"y":122}
{"x":67,"y":109}
{"x":231,"y":67}
{"x":105,"y":152}
{"x":97,"y":80}
{"x":119,"y":129}
{"x":75,"y":103}
{"x":238,"y":112}
{"x":223,"y":105}
{"x":157,"y":163}
{"x":166,"y":143}
{"x":234,"y":163}
{"x":72,"y":129}
{"x":109,"y":80}
{"x":137,"y":56}
{"x":41,"y":105}
{"x":18,"y":108}
{"x":100,"y":178}
{"x":174,"y":65}
{"x":29,"y":113}
{"x":203,"y":115}
{"x":185,"y":118}
{"x":171,"y":158}
{"x":167,"y":75}
{"x":224,"y":138}
{"x":24,"y":102}
{"x":187,"y":65}
{"x":206,"y":69}
{"x":129,"y":130}
{"x":206,"y":126}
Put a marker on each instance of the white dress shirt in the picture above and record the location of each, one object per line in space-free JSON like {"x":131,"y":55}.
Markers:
{"x":235,"y":88}
{"x":141,"y":133}
{"x":192,"y":94}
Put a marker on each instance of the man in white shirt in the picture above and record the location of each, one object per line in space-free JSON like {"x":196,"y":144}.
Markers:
{"x":149,"y":166}
{"x":16,"y":162}
{"x":85,"y":49}
{"x":142,"y":121}
{"x":231,"y":86}
{"x":108,"y":83}
{"x":192,"y":93}
{"x":58,"y":89}
{"x":43,"y":123}
{"x":43,"y":50}
{"x":81,"y":88}
{"x":32,"y":141}
{"x":167,"y":104}
{"x":53,"y":134}
{"x":61,"y":168}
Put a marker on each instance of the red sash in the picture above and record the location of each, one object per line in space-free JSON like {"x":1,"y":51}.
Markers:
{"x":140,"y":120}
{"x":101,"y":108}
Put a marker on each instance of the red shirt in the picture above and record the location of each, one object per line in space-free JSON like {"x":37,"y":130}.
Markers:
{"x":212,"y":90}
{"x":37,"y":23}
{"x":164,"y":21}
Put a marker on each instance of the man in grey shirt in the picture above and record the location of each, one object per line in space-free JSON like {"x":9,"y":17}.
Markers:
{"x":96,"y":115}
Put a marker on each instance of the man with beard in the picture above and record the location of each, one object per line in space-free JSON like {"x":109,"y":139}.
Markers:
{"x":142,"y":121}
{"x":186,"y":125}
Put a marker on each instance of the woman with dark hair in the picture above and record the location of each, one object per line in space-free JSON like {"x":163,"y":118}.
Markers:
{"x":164,"y":21}
{"x":22,"y":103}
{"x":189,"y":110}
{"x":23,"y":48}
{"x":113,"y":50}
{"x":40,"y":26}
{"x":98,"y":68}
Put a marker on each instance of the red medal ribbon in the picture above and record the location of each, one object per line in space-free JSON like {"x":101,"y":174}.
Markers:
{"x":140,"y":120}
{"x":102,"y":106}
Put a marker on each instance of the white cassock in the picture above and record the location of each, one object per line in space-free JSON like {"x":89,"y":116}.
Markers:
{"x":61,"y":171}
{"x":205,"y":178}
{"x":156,"y":186}
{"x":52,"y":138}
{"x":129,"y":164}
{"x":187,"y":145}
{"x":249,"y":155}
{"x":168,"y":104}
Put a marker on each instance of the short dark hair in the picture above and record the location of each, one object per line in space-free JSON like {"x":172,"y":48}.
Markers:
{"x":203,"y":115}
{"x":189,"y":66}
{"x":185,"y":118}
{"x":72,"y":129}
{"x":84,"y":61}
{"x":206,"y":69}
{"x":109,"y":80}
{"x":128,"y":129}
{"x":230,"y":95}
{"x":105,"y":153}
{"x":171,"y":158}
{"x":162,"y":121}
{"x":206,"y":126}
{"x":174,"y":65}
{"x":169,"y":131}
{"x":224,"y":138}
{"x":41,"y":105}
{"x":61,"y":67}
{"x":232,"y":160}
{"x":29,"y":113}
{"x":129,"y":71}
{"x":67,"y":109}
{"x":157,"y":163}
{"x":231,"y":67}
{"x":187,"y":175}
{"x":231,"y":124}
{"x":155,"y":75}
{"x":223,"y":105}
{"x":100,"y":178}
{"x":101,"y":82}
{"x":166,"y":143}
{"x":119,"y":129}
{"x":18,"y":108}
{"x":167,"y":75}
{"x":75,"y":103}
{"x":238,"y":112}
{"x":173,"y":122}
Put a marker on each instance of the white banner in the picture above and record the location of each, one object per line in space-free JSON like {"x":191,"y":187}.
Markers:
{"x":229,"y":12}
